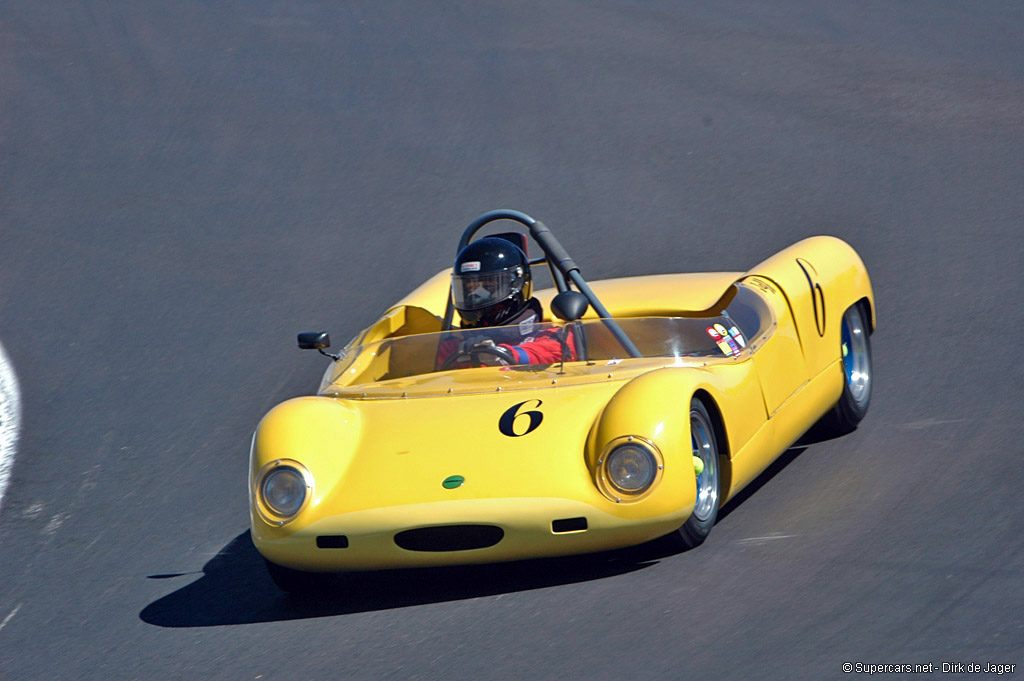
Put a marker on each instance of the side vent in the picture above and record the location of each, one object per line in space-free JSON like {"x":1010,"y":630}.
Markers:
{"x":332,"y":541}
{"x":568,"y":525}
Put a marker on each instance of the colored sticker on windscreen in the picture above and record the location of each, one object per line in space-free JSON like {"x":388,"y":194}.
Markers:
{"x":729,"y":341}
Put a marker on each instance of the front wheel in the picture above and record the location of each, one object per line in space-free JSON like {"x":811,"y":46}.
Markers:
{"x":855,"y":349}
{"x":702,"y":439}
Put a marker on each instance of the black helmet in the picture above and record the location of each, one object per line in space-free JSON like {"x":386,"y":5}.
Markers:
{"x":490,"y":282}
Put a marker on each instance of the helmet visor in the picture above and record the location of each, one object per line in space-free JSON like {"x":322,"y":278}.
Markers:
{"x":476,"y":290}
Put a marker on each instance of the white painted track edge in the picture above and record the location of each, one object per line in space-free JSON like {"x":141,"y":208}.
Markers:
{"x":10,"y":420}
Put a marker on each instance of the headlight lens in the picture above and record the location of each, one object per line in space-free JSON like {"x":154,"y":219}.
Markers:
{"x":283,"y":491}
{"x":631,"y":468}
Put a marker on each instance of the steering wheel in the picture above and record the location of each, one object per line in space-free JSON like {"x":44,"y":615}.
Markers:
{"x":503,"y":355}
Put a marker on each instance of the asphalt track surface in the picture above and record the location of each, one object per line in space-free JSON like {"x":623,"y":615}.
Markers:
{"x":184,"y":185}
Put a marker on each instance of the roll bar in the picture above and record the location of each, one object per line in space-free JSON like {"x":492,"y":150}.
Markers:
{"x":562,"y":267}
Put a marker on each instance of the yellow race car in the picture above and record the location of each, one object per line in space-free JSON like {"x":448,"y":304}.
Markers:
{"x":671,"y":392}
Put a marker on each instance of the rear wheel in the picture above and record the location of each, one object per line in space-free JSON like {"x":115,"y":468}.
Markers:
{"x":855,"y":349}
{"x":296,"y":581}
{"x":702,"y":440}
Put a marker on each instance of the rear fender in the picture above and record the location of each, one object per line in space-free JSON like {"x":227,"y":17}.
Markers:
{"x":821,"y":277}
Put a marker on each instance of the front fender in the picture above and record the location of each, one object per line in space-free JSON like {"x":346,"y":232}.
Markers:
{"x":656,"y":407}
{"x":321,"y":433}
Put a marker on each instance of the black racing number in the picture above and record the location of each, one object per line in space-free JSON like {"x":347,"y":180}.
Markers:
{"x":817,"y":295}
{"x":507,"y":422}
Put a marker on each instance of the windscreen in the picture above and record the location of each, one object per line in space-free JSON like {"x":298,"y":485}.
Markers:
{"x":726,"y":332}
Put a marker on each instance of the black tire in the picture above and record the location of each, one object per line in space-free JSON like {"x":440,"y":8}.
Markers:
{"x":855,"y":353}
{"x":704,"y":445}
{"x":296,"y":581}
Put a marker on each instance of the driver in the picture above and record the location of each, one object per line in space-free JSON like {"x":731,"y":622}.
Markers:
{"x":491,"y":288}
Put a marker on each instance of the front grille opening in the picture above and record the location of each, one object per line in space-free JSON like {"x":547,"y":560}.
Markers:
{"x":568,"y":525}
{"x":332,"y":541}
{"x":450,"y":538}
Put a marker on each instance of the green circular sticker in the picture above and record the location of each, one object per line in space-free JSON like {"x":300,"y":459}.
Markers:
{"x":453,"y":481}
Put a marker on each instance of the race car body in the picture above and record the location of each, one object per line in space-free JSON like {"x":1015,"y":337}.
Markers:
{"x":673,"y":392}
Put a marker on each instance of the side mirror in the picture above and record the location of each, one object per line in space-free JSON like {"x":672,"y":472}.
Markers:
{"x":314,"y":340}
{"x":569,"y":305}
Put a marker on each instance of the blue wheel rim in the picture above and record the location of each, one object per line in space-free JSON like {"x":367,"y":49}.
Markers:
{"x":856,"y":357}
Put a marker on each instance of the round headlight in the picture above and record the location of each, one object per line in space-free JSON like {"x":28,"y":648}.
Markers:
{"x":284,"y":491}
{"x":631,"y":468}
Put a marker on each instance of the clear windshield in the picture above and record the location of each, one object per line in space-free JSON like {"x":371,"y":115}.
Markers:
{"x":719,"y":336}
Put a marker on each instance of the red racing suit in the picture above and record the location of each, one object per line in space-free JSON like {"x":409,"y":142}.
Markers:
{"x":519,"y":337}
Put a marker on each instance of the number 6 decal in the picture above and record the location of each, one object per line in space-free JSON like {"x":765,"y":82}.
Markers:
{"x":507,"y":422}
{"x":817,"y":296}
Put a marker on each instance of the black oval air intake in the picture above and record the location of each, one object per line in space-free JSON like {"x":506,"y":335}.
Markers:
{"x":450,"y":538}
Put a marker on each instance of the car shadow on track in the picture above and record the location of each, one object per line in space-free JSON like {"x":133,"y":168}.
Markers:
{"x":236,"y":589}
{"x":761,"y":480}
{"x":817,"y":434}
